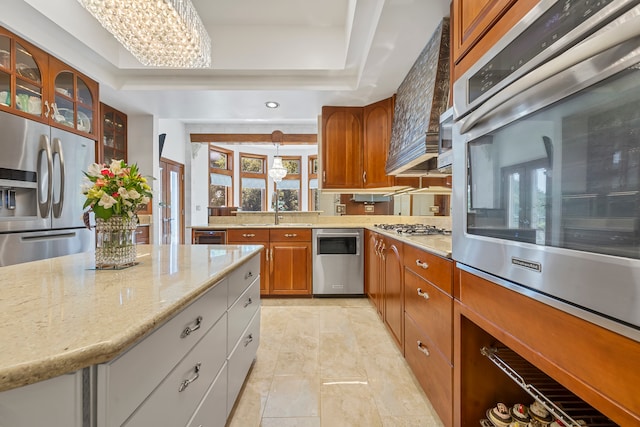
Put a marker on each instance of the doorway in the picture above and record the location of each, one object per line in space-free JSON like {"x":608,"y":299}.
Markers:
{"x":172,"y":202}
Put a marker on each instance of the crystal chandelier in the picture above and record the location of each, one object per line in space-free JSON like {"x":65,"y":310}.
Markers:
{"x":160,"y":33}
{"x":277,"y":170}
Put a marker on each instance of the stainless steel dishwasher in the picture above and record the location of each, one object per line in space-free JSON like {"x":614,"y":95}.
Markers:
{"x":338,"y":261}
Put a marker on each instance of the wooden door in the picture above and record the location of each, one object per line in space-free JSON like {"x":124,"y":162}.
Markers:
{"x":393,"y":290}
{"x":341,"y":147}
{"x":377,"y":135}
{"x":290,"y":268}
{"x":373,"y":270}
{"x":172,"y":204}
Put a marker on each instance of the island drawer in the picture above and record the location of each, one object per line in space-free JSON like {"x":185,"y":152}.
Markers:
{"x":435,"y":269}
{"x":184,"y":388}
{"x":241,"y":359}
{"x":431,"y":309}
{"x":241,"y":313}
{"x":126,"y":381}
{"x":247,"y":235}
{"x":240,"y":279}
{"x":212,"y":410}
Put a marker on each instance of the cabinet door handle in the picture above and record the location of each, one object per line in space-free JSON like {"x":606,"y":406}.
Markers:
{"x":249,"y":274}
{"x":423,"y":348}
{"x":291,"y":235}
{"x":46,"y":113}
{"x":421,"y":264}
{"x":422,"y":294}
{"x":189,"y":329}
{"x":248,"y":303}
{"x":364,"y":176}
{"x":248,"y":235}
{"x":248,"y":340}
{"x":184,"y":384}
{"x":266,"y":254}
{"x":324,"y":176}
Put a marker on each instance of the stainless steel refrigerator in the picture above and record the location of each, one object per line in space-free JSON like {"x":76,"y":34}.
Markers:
{"x":41,"y":171}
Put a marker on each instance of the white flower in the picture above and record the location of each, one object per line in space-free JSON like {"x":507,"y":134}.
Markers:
{"x":86,"y":186}
{"x":126,"y":203}
{"x":115,"y":166}
{"x":133,"y":194}
{"x":123,"y":193}
{"x":106,"y":201}
{"x":144,"y":200}
{"x":95,"y":170}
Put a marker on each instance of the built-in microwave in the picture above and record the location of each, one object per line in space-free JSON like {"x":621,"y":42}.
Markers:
{"x":546,"y":142}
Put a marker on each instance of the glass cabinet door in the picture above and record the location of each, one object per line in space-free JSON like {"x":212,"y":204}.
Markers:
{"x":114,"y":134}
{"x":5,"y":71}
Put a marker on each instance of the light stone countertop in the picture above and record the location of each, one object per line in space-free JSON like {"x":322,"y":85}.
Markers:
{"x":437,"y":244}
{"x":60,"y":315}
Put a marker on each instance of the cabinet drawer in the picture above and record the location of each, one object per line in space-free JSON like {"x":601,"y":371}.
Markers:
{"x":142,"y":235}
{"x":241,"y":359}
{"x":290,"y":234}
{"x":432,"y":310}
{"x":433,"y":372}
{"x":125,"y":382}
{"x":435,"y":269}
{"x":248,"y":235}
{"x":241,"y":312}
{"x":240,"y":279}
{"x":213,"y":409}
{"x":176,"y":399}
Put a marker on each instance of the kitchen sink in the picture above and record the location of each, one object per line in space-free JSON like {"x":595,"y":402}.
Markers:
{"x":282,"y":224}
{"x":257,"y":225}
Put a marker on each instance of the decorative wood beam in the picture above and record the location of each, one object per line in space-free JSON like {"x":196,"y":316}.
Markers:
{"x":257,"y":138}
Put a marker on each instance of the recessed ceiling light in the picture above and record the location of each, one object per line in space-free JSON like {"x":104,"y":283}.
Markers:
{"x":272,"y":104}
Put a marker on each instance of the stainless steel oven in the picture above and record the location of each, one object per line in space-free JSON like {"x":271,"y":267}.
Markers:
{"x":547,"y":159}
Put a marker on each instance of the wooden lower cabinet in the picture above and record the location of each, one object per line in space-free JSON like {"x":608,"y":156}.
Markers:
{"x":598,"y":366}
{"x":373,"y":270}
{"x":285,"y":263}
{"x":257,"y":236}
{"x":393,"y":290}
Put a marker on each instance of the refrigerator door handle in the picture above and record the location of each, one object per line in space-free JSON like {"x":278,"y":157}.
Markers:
{"x":57,"y":151}
{"x":44,"y":195}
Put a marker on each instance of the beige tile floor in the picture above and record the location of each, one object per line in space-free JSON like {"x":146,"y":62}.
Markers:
{"x":329,"y":363}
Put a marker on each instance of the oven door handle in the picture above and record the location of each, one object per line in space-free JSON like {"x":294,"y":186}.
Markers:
{"x":627,"y":27}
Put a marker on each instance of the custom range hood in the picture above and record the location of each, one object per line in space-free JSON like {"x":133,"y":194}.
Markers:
{"x":421,"y":98}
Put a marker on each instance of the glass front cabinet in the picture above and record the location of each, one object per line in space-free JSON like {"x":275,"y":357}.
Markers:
{"x":35,"y":85}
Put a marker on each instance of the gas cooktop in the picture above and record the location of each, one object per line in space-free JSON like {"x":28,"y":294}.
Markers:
{"x":414,"y":229}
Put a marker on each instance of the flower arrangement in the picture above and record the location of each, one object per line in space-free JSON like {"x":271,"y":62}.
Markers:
{"x":115,"y":190}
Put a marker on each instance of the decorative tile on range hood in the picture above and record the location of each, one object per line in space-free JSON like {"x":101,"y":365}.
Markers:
{"x":422,"y":96}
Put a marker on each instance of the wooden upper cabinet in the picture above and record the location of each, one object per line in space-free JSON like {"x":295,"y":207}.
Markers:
{"x":377,"y":135}
{"x":478,"y":25}
{"x":342,"y":147}
{"x":23,"y":77}
{"x":113,"y":138}
{"x":36,"y":85}
{"x":74,"y":99}
{"x":355,"y":143}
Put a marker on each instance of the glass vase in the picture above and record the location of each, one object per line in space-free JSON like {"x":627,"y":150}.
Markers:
{"x":116,"y":242}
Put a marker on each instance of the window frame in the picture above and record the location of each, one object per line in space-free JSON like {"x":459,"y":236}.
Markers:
{"x":311,"y":175}
{"x":255,"y":175}
{"x":293,"y":177}
{"x":228,"y":171}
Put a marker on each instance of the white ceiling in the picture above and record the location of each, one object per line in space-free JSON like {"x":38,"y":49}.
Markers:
{"x":300,"y":53}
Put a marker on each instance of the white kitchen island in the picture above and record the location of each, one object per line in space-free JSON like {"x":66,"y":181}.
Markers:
{"x":168,"y":340}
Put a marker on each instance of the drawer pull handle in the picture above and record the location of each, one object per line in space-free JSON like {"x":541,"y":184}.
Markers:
{"x":423,"y":348}
{"x":248,"y":303}
{"x":184,"y":384}
{"x":248,"y":340}
{"x":422,"y":294}
{"x":422,"y":264}
{"x":291,"y":235}
{"x":248,"y":235}
{"x":249,"y":274}
{"x":187,"y":331}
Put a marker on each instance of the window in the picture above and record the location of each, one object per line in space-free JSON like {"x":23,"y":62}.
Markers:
{"x":253,"y":182}
{"x":313,"y":183}
{"x":288,"y":190}
{"x":220,"y":177}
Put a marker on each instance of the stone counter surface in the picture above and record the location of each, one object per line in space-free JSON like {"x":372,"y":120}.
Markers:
{"x":60,"y":315}
{"x":437,"y":244}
